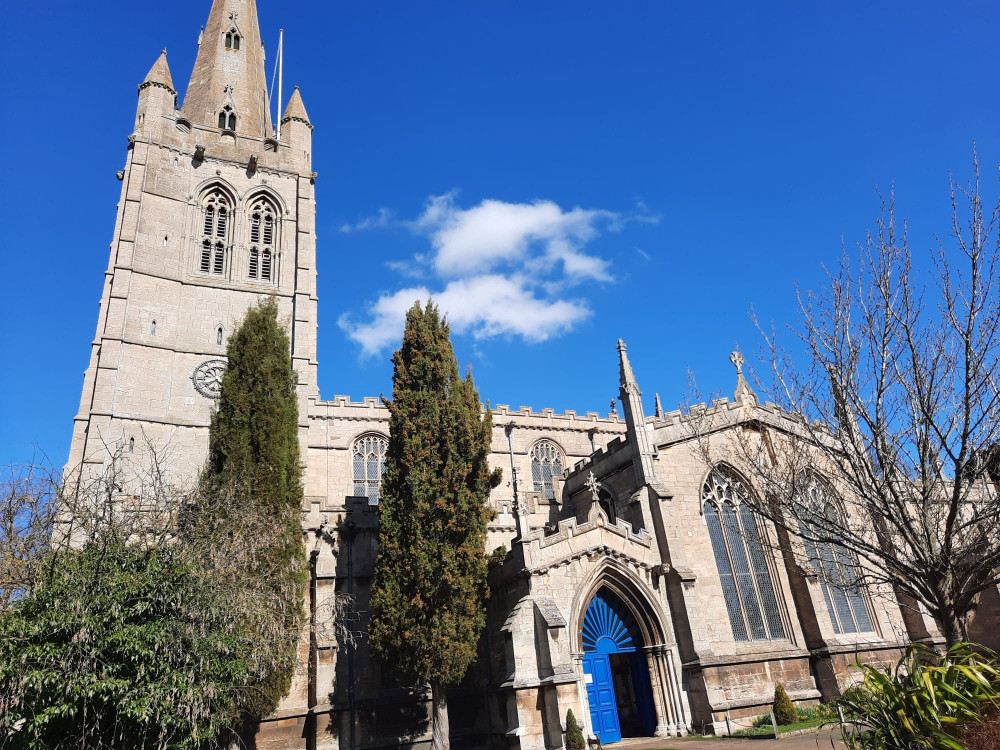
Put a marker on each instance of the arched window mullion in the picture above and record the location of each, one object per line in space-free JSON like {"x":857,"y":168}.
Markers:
{"x":546,"y":464}
{"x":368,"y":459}
{"x":747,"y":577}
{"x":727,"y":578}
{"x":763,"y":575}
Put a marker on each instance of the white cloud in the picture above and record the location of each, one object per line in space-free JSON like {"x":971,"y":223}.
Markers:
{"x":385,"y":217}
{"x":501,"y":269}
{"x":483,"y":306}
{"x":497,"y":234}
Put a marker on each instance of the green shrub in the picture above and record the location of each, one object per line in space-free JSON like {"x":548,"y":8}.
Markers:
{"x":574,"y":734}
{"x":784,"y":710}
{"x":925,"y":701}
{"x":114,"y":651}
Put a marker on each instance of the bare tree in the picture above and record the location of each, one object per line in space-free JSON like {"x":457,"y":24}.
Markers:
{"x":885,"y":446}
{"x":28,"y":501}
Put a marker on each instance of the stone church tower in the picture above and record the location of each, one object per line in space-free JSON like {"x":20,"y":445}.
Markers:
{"x":217,"y":211}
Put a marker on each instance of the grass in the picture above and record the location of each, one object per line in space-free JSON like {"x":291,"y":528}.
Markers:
{"x":767,"y":731}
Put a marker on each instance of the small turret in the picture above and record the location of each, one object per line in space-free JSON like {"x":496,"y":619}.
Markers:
{"x":157,"y":96}
{"x":635,"y":419}
{"x":296,"y":130}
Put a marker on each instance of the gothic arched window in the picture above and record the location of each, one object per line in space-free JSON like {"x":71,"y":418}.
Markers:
{"x":742,"y":560}
{"x":546,"y":462}
{"x":232,"y":39}
{"x":214,"y":233}
{"x":369,"y":466}
{"x":836,"y":567}
{"x":227,"y":118}
{"x":263,"y":226}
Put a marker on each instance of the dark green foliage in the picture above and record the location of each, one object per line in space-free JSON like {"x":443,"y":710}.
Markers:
{"x":176,"y":638}
{"x":784,"y":710}
{"x":926,"y":701}
{"x":574,"y":734}
{"x":251,"y":496}
{"x":254,"y":435}
{"x":430,"y":575}
{"x":114,"y":651}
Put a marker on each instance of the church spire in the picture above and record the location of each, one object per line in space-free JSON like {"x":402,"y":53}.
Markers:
{"x":159,"y":75}
{"x":228,"y":87}
{"x":296,"y":110}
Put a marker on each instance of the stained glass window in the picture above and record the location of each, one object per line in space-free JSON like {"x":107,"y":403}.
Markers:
{"x":546,"y":462}
{"x":742,"y":562}
{"x":837,"y":570}
{"x":369,"y":466}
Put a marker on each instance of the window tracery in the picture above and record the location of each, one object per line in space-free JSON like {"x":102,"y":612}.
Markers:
{"x":227,"y":118}
{"x":546,"y":462}
{"x":214,"y":233}
{"x":843,"y":591}
{"x":263,"y":233}
{"x":741,"y":560}
{"x":369,"y":466}
{"x":233,"y":40}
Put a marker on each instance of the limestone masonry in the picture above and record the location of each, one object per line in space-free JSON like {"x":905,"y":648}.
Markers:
{"x":636,"y":591}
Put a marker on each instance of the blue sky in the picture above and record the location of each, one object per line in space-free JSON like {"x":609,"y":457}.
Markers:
{"x":644,"y":170}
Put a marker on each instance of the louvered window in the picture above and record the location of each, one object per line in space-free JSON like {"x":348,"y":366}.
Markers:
{"x":215,"y":233}
{"x":263,"y":221}
{"x":546,"y":462}
{"x":206,"y":257}
{"x":742,"y":561}
{"x":218,"y":259}
{"x":837,"y":570}
{"x":369,"y":466}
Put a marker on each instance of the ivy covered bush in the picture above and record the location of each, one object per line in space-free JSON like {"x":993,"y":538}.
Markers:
{"x":115,"y":650}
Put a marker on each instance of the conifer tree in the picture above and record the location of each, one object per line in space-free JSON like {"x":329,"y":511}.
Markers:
{"x":247,"y":517}
{"x":429,"y":586}
{"x":574,"y":734}
{"x":784,"y":709}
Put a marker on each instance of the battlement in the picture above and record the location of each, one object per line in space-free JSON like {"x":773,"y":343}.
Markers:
{"x":570,"y":415}
{"x":600,"y":454}
{"x":502,"y":413}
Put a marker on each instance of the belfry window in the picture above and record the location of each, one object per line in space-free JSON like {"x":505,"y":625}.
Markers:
{"x":546,"y":462}
{"x":227,"y":118}
{"x":214,"y":233}
{"x":741,"y":560}
{"x":369,"y":466}
{"x":836,"y":567}
{"x":263,"y":223}
{"x":232,"y":39}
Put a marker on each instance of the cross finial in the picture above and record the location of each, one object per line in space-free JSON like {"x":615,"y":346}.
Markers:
{"x":737,"y":359}
{"x":614,"y":407}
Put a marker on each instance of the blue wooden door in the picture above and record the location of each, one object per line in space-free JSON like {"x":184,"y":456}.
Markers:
{"x":601,"y":697}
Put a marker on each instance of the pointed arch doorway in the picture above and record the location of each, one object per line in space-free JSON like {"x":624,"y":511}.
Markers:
{"x":619,"y":691}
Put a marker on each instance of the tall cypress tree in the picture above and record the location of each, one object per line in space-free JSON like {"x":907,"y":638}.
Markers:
{"x":429,"y":587}
{"x":247,"y":515}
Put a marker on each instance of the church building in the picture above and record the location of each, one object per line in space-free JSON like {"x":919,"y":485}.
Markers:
{"x":638,"y":590}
